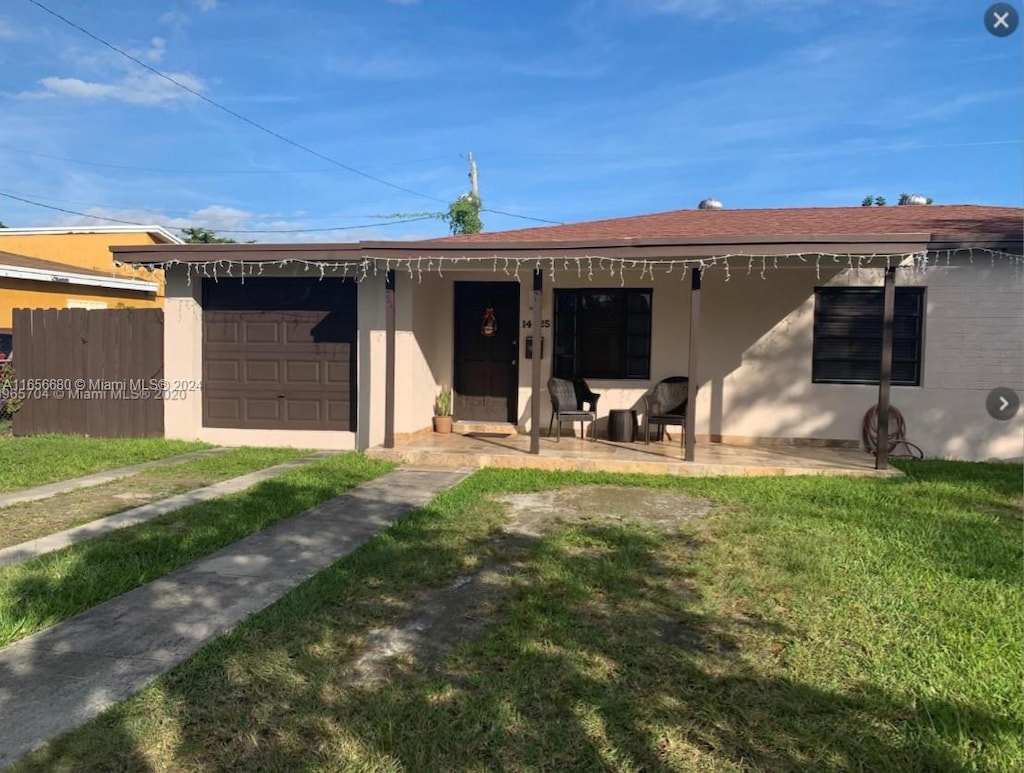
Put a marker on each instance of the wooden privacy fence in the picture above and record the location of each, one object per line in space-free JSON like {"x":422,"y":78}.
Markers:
{"x":83,"y":372}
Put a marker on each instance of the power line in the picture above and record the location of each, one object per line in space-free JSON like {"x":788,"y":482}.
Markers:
{"x":69,"y":211}
{"x":199,"y":172}
{"x":231,"y":112}
{"x":416,"y":219}
{"x":162,"y":171}
{"x":521,"y":217}
{"x":253,"y":216}
{"x":196,"y":171}
{"x":334,"y":228}
{"x":260,"y":126}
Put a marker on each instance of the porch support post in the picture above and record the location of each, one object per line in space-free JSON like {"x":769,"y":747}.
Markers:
{"x":389,"y":359}
{"x":535,"y":363}
{"x":689,"y":439}
{"x":885,"y":370}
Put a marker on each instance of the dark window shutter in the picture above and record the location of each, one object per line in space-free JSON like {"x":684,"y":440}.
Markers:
{"x":603,"y":333}
{"x":848,"y":335}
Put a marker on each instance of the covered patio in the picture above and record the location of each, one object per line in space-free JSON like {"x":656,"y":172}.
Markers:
{"x":659,"y":458}
{"x":545,"y":263}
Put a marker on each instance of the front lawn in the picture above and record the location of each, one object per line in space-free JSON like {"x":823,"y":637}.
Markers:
{"x":30,"y":520}
{"x":797,"y":624}
{"x":42,"y":591}
{"x":26,"y":462}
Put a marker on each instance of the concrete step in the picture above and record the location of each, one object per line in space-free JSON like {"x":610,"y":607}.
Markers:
{"x":484,"y":427}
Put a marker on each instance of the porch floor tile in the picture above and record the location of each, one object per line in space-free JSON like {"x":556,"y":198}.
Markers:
{"x":658,"y":458}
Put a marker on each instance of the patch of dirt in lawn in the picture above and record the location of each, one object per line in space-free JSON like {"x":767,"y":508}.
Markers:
{"x":446,"y":616}
{"x":537,"y":513}
{"x":31,"y":520}
{"x":443,"y":618}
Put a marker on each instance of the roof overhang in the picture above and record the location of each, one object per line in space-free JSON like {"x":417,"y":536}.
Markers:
{"x":74,"y":278}
{"x":626,"y":249}
{"x":159,"y":233}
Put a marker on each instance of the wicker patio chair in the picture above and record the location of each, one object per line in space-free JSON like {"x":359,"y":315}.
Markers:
{"x":665,"y":404}
{"x":567,"y":406}
{"x":585,"y":395}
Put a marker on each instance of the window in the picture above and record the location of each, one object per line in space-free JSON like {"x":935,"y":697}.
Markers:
{"x":603,"y":333}
{"x":6,"y":344}
{"x":848,"y":335}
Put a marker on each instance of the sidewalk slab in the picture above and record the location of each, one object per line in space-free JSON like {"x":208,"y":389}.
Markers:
{"x":56,"y":679}
{"x":98,"y":478}
{"x":42,"y":545}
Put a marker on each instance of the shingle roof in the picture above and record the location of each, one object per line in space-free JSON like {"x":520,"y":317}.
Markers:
{"x":939,"y":219}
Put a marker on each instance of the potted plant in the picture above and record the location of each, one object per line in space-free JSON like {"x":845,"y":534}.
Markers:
{"x":443,"y":411}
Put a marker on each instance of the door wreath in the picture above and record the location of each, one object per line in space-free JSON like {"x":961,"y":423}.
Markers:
{"x":488,"y":324}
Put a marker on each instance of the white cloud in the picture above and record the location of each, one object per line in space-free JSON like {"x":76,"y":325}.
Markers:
{"x":6,"y":29}
{"x":703,"y":9}
{"x":157,"y":49}
{"x":404,"y":2}
{"x":380,"y":65}
{"x":205,"y":5}
{"x":135,"y":89}
{"x":738,"y":9}
{"x":175,"y":20}
{"x":217,"y":218}
{"x":155,"y":52}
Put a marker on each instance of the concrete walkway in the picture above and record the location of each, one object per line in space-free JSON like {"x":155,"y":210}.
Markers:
{"x":97,"y":478}
{"x":59,"y":678}
{"x":42,"y":545}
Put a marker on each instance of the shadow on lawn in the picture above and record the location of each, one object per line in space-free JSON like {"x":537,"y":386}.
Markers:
{"x":36,"y":705}
{"x":55,"y":586}
{"x":599,"y":656}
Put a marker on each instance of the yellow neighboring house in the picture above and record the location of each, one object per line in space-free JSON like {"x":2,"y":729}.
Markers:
{"x":71,"y":267}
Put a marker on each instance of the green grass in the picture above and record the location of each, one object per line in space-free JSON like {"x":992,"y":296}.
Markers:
{"x":30,"y":520}
{"x":42,"y":591}
{"x":33,"y":461}
{"x":806,"y":624}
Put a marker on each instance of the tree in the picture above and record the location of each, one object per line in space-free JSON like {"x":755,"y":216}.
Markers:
{"x":204,"y":236}
{"x":879,"y":201}
{"x":3,"y":224}
{"x":463,"y":216}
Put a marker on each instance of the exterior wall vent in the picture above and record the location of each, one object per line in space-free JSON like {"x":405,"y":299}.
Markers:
{"x":710,"y":204}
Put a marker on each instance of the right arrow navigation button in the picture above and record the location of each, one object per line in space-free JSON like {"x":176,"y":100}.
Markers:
{"x":1002,"y":403}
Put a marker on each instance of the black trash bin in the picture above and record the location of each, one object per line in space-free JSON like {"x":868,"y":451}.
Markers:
{"x":622,"y":426}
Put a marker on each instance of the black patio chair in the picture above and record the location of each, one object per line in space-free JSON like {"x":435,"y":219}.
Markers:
{"x":567,"y":405}
{"x":665,"y":405}
{"x":584,"y":394}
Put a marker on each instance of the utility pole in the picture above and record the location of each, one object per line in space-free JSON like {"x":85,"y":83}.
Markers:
{"x":472,"y":178}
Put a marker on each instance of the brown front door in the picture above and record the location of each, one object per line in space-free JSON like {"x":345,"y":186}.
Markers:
{"x":486,"y":351}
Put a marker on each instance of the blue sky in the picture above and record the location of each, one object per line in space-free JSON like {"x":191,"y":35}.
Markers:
{"x":574,"y":110}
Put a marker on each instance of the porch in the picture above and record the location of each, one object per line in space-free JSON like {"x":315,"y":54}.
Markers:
{"x":750,"y":342}
{"x":658,"y":458}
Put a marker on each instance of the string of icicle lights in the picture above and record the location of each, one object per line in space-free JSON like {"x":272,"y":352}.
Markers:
{"x":596,"y":267}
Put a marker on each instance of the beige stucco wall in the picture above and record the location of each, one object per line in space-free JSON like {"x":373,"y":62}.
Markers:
{"x":759,"y":384}
{"x":183,"y":358}
{"x":755,"y":355}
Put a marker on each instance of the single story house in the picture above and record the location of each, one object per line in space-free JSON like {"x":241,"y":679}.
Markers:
{"x":775,"y":315}
{"x":70,"y":267}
